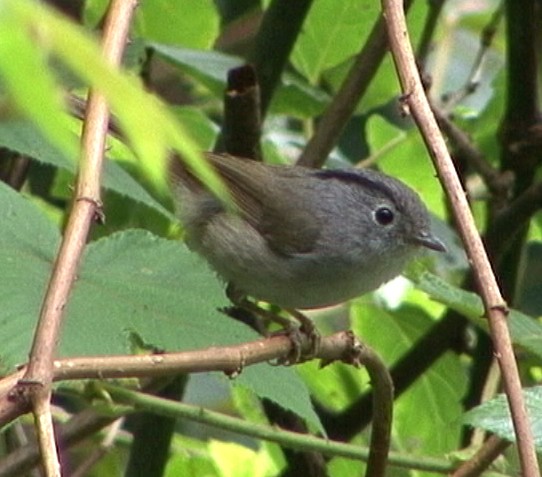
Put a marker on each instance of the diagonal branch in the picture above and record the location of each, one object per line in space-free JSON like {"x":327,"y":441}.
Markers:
{"x":499,"y":183}
{"x":478,"y":463}
{"x":36,"y":384}
{"x":344,"y":103}
{"x":495,"y":307}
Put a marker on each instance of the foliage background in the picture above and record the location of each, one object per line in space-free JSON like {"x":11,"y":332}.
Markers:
{"x":139,"y":286}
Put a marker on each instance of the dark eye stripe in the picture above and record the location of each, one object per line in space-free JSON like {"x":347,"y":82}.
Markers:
{"x":366,"y":178}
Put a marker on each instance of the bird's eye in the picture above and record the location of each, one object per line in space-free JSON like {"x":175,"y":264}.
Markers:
{"x":384,"y":215}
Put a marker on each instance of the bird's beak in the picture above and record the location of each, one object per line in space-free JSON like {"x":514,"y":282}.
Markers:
{"x":425,"y":239}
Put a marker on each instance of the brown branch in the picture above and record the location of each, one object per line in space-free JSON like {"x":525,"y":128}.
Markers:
{"x":36,"y":384}
{"x":383,"y":414}
{"x":499,"y":183}
{"x":478,"y":463}
{"x":82,"y":425}
{"x":228,"y":359}
{"x":344,"y":103}
{"x":342,"y":346}
{"x":86,"y":206}
{"x":511,"y":220}
{"x":495,"y":307}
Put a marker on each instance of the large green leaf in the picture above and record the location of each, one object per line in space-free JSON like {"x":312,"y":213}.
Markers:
{"x":136,"y":281}
{"x":129,"y":282}
{"x":28,"y":243}
{"x":332,"y":32}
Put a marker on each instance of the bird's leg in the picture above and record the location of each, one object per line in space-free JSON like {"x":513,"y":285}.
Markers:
{"x":306,"y":325}
{"x":308,"y":328}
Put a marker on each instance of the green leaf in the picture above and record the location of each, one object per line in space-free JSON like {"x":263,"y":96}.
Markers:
{"x":28,"y":80}
{"x":529,"y":297}
{"x":148,"y":126}
{"x":440,"y":389}
{"x":338,"y":384}
{"x":494,"y":416}
{"x":332,"y":32}
{"x":189,"y":456}
{"x":170,"y":299}
{"x":23,"y":137}
{"x":210,"y":68}
{"x":295,"y":97}
{"x":283,"y":386}
{"x":130,"y":282}
{"x":28,"y":243}
{"x":192,"y":23}
{"x":525,"y":331}
{"x":237,"y":460}
{"x":201,"y":127}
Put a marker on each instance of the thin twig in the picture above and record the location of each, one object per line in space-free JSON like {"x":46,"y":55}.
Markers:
{"x":499,"y":183}
{"x":450,"y":100}
{"x":288,"y":439}
{"x":478,"y":463}
{"x":82,"y":425}
{"x":86,"y":205}
{"x":228,"y":359}
{"x":105,"y":446}
{"x":344,"y":103}
{"x":43,"y":423}
{"x":495,"y":307}
{"x":382,"y":415}
{"x":490,"y":388}
{"x":38,"y":378}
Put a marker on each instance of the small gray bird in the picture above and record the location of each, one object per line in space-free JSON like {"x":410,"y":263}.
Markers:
{"x":302,"y":238}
